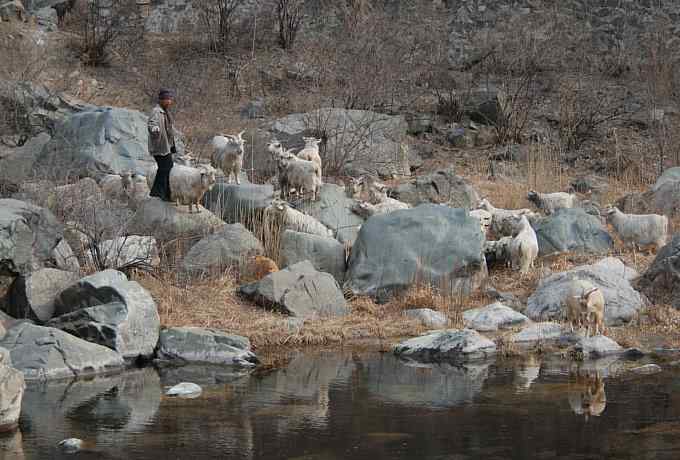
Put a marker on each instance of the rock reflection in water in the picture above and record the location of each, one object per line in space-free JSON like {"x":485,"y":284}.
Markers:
{"x":526,"y":373}
{"x":100,"y":411}
{"x":431,"y":385}
{"x":586,"y":393}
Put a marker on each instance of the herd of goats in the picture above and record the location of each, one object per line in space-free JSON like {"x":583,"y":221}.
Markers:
{"x":301,"y":174}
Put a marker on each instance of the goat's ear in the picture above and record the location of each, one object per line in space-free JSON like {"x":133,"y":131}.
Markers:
{"x":240,"y":135}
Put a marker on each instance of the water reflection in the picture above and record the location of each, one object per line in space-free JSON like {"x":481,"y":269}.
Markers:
{"x":363,"y":406}
{"x":416,"y":384}
{"x":586,"y":393}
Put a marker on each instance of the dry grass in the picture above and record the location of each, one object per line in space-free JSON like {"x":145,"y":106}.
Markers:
{"x":214,"y":304}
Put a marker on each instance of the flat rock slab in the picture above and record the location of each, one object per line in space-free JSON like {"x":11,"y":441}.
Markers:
{"x":493,"y":317}
{"x":572,"y":230}
{"x":229,"y":246}
{"x":325,"y":254}
{"x":127,"y":251}
{"x":457,"y":345}
{"x":538,"y":332}
{"x":238,"y":203}
{"x":434,"y":244}
{"x":28,"y":236}
{"x":32,"y":296}
{"x":107,"y":309}
{"x":428,"y":317}
{"x":442,"y":186}
{"x":622,"y":302}
{"x":45,"y":353}
{"x":298,"y":290}
{"x":597,"y":347}
{"x":184,"y":345}
{"x":166,"y":221}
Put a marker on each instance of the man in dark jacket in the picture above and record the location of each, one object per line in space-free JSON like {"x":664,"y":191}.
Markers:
{"x":162,"y":143}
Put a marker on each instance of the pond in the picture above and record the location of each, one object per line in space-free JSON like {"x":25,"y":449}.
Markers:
{"x":362,"y":405}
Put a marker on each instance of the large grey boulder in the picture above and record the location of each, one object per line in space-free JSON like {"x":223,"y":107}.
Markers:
{"x":325,"y":254}
{"x":32,"y":296}
{"x":662,"y":198}
{"x":238,"y":203}
{"x":45,"y":353}
{"x":298,"y":290}
{"x":11,"y":394}
{"x":356,"y":141}
{"x":622,"y":302}
{"x":36,"y":108}
{"x":100,"y":140}
{"x":572,"y":230}
{"x":334,"y":210}
{"x":661,"y":281}
{"x":28,"y":236}
{"x":17,"y":165}
{"x":442,"y":187}
{"x":166,"y":221}
{"x":454,"y":345}
{"x":493,"y":317}
{"x":191,"y":345}
{"x":230,"y":246}
{"x":107,"y":309}
{"x":432,"y":244}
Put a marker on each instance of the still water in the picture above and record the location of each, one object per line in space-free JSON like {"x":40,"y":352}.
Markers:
{"x":351,"y":405}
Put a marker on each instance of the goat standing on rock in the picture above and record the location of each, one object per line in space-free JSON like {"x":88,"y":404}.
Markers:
{"x":228,"y":154}
{"x":310,"y":152}
{"x":188,"y":185}
{"x":551,"y":202}
{"x":524,"y":247}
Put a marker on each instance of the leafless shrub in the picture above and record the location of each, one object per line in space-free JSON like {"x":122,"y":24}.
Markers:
{"x":289,"y":14}
{"x":218,"y":17}
{"x":105,"y":24}
{"x":585,"y":104}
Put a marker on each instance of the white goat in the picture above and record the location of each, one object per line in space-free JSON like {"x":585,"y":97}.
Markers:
{"x":639,"y":229}
{"x":187,"y":185}
{"x":585,"y":306}
{"x":279,"y":213}
{"x":551,"y":202}
{"x":524,"y":247}
{"x":503,"y":221}
{"x":484,"y":217}
{"x":228,"y":154}
{"x":310,"y":152}
{"x":299,"y":174}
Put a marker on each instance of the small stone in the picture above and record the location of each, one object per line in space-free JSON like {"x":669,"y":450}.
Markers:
{"x":71,"y":445}
{"x":185,"y":390}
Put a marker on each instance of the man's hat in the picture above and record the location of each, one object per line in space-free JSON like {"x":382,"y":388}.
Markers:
{"x":166,"y":94}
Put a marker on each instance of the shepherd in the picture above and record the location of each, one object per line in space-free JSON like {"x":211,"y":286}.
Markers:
{"x":162,"y":143}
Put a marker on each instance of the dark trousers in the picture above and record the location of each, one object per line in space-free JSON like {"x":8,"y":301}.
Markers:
{"x":161,"y":185}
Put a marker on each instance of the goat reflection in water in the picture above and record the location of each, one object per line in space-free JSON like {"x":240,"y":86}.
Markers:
{"x":586,"y":393}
